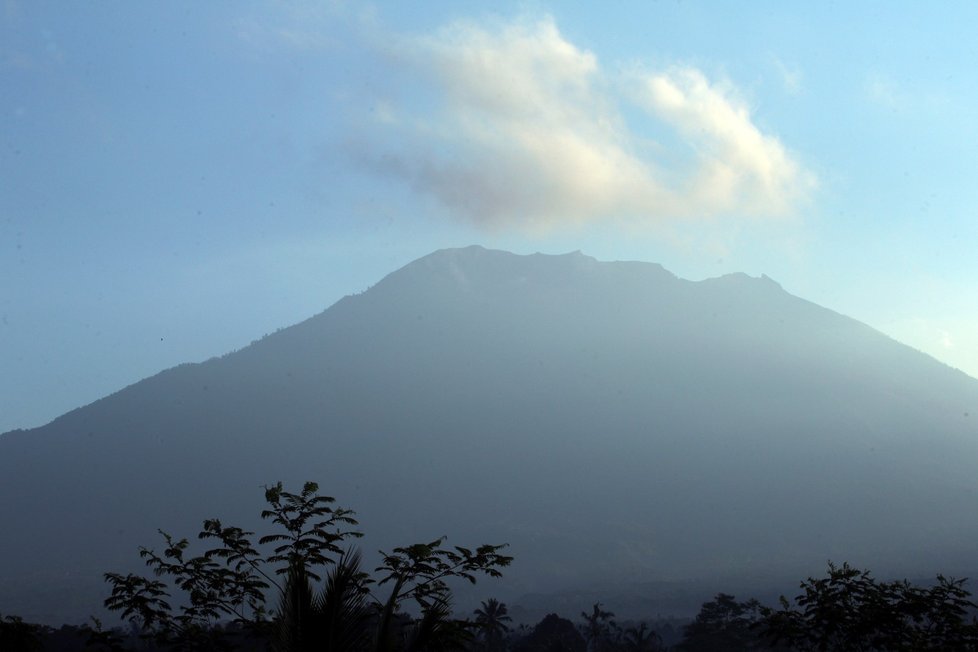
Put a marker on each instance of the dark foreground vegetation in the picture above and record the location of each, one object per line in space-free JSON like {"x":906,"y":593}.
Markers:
{"x":301,"y":588}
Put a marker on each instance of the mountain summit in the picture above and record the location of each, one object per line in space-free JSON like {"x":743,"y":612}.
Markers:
{"x":609,"y":420}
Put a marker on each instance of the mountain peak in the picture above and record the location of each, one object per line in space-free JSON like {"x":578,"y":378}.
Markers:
{"x":743,"y":280}
{"x":475,"y":264}
{"x":476,"y":252}
{"x":465,"y":264}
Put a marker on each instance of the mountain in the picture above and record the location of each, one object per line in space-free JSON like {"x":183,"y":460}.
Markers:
{"x":612,"y":422}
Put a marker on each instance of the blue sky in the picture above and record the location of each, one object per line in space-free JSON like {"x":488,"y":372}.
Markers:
{"x":178,"y":179}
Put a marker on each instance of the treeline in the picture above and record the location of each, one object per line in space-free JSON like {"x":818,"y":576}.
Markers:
{"x":301,"y":588}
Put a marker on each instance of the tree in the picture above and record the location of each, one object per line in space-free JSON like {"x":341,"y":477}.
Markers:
{"x":851,"y":610}
{"x":15,"y":634}
{"x":231,"y":581}
{"x":490,"y":622}
{"x":641,"y":639}
{"x":723,"y":624}
{"x":553,"y":634}
{"x":597,"y":627}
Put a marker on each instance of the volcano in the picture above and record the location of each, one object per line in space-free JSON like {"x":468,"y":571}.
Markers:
{"x":613,"y":423}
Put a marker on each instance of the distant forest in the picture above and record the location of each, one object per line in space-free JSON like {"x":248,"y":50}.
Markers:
{"x":301,"y":587}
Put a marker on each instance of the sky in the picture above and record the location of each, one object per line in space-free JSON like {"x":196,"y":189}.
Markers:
{"x":178,"y":179}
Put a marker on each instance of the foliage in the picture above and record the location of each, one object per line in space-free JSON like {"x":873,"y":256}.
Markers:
{"x":231,"y":581}
{"x":343,"y":612}
{"x":641,"y":638}
{"x":419,"y":571}
{"x":99,"y":639}
{"x":436,"y":630}
{"x":724,"y":624}
{"x":313,"y":531}
{"x":850,"y":610}
{"x":217,"y":600}
{"x":15,"y":634}
{"x":553,"y":634}
{"x":19,"y":636}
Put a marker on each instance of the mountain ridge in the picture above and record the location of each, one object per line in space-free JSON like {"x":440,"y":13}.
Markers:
{"x":613,"y":412}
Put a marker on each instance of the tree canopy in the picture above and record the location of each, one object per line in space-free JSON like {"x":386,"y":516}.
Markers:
{"x":233,"y":579}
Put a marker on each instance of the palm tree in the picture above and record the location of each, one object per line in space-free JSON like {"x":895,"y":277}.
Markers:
{"x":596,"y":626}
{"x":335,"y":620}
{"x":642,"y":639}
{"x":437,"y":631}
{"x":297,"y":612}
{"x":343,"y":611}
{"x":491,"y":621}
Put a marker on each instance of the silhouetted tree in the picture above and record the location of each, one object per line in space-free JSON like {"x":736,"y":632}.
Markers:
{"x":490,"y":622}
{"x":437,"y":631}
{"x":597,"y":628}
{"x":343,"y":612}
{"x":641,"y":639}
{"x":850,"y":610}
{"x":419,"y":573}
{"x":553,"y":634}
{"x":15,"y":634}
{"x":296,"y":616}
{"x":724,"y":624}
{"x":19,"y":636}
{"x":99,"y":639}
{"x":230,"y":581}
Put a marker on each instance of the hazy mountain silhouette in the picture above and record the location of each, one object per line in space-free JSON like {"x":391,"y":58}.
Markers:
{"x":611,"y":421}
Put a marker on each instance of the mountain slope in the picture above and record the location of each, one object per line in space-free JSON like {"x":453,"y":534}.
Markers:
{"x":609,"y":420}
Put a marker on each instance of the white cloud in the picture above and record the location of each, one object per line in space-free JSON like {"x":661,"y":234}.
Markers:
{"x":740,"y":169}
{"x":529,"y":129}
